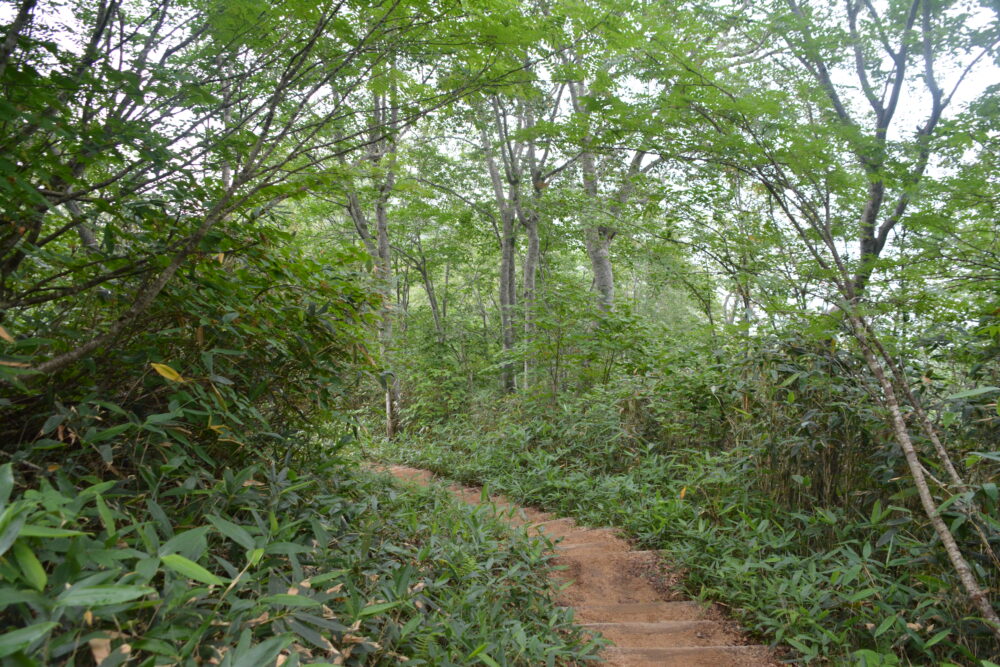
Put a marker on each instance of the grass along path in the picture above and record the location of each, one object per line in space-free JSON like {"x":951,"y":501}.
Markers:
{"x":611,"y":592}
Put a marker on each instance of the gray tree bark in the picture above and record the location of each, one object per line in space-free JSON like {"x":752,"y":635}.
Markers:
{"x":379,"y":247}
{"x":597,"y":237}
{"x":508,"y":241}
{"x":864,"y":335}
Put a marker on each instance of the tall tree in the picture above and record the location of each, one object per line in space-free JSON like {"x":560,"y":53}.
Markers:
{"x":137,"y":122}
{"x":381,"y":159}
{"x":843,"y":171}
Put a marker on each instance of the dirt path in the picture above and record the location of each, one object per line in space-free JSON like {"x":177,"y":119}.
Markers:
{"x":612,"y":593}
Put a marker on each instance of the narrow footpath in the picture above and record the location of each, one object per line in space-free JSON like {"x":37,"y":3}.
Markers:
{"x":612,"y":591}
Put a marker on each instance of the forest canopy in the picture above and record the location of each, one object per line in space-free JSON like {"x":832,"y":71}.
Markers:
{"x":723,"y":274}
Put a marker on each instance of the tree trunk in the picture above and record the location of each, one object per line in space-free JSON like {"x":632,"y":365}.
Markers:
{"x":864,"y":334}
{"x":385,"y":279}
{"x":598,"y":243}
{"x":530,"y":273}
{"x":432,"y":300}
{"x":379,"y":248}
{"x":508,"y":240}
{"x":508,"y":291}
{"x":597,"y":238}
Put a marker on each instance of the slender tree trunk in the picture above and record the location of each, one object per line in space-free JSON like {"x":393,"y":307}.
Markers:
{"x":508,"y":241}
{"x":385,"y":271}
{"x":597,"y":237}
{"x":508,"y":290}
{"x":444,"y":298}
{"x":380,"y":249}
{"x":529,"y":215}
{"x":598,"y":245}
{"x":403,"y":287}
{"x":432,"y":300}
{"x":530,"y":273}
{"x":864,"y":334}
{"x":14,"y":32}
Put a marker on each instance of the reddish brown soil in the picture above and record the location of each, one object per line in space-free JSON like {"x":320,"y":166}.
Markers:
{"x":618,"y":592}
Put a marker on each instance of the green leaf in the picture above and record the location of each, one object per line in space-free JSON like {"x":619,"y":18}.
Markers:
{"x":47,"y":531}
{"x":236,"y":533}
{"x":486,"y":659}
{"x":884,"y":625}
{"x":51,"y":423}
{"x":96,"y":489}
{"x":30,"y":566}
{"x":790,"y":379}
{"x":11,"y":521}
{"x":109,"y":433}
{"x":161,"y":418}
{"x":191,"y":570}
{"x":156,"y":646}
{"x":107,"y":518}
{"x":97,"y":596}
{"x":15,"y":641}
{"x":6,"y":483}
{"x":936,"y":638}
{"x":326,"y":576}
{"x":190,"y":544}
{"x":264,"y":653}
{"x":289,"y":600}
{"x":862,"y":594}
{"x":978,"y":391}
{"x":411,"y":625}
{"x":9,"y":596}
{"x":799,"y":646}
{"x":378,"y":608}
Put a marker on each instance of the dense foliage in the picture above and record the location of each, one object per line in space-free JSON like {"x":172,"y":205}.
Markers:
{"x":176,"y":361}
{"x":332,"y":567}
{"x":722,"y":273}
{"x":791,"y":512}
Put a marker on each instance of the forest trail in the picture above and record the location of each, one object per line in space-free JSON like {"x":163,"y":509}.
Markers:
{"x":613,"y":592}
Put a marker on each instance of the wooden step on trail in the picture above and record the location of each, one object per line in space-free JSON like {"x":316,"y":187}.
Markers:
{"x":610,"y":595}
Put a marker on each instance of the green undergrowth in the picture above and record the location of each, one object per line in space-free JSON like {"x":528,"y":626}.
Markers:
{"x":836,"y":585}
{"x":333,"y":566}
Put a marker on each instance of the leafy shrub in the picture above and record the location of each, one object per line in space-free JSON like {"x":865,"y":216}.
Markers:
{"x":259,"y":342}
{"x":155,"y":508}
{"x":851,"y":583}
{"x":334,"y":566}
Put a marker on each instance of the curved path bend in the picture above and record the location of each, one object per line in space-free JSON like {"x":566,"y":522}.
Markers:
{"x":611,"y":592}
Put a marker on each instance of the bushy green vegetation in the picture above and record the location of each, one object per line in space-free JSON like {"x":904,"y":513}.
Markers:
{"x":723,"y":273}
{"x":768,"y":480}
{"x":176,"y":363}
{"x":179,"y":499}
{"x":331,"y":566}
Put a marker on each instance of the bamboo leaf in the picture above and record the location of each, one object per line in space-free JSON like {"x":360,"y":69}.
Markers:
{"x":167,"y":372}
{"x":236,"y":533}
{"x":290,"y":600}
{"x":12,"y":642}
{"x":30,"y":566}
{"x":191,"y":570}
{"x":98,"y":596}
{"x":48,"y":532}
